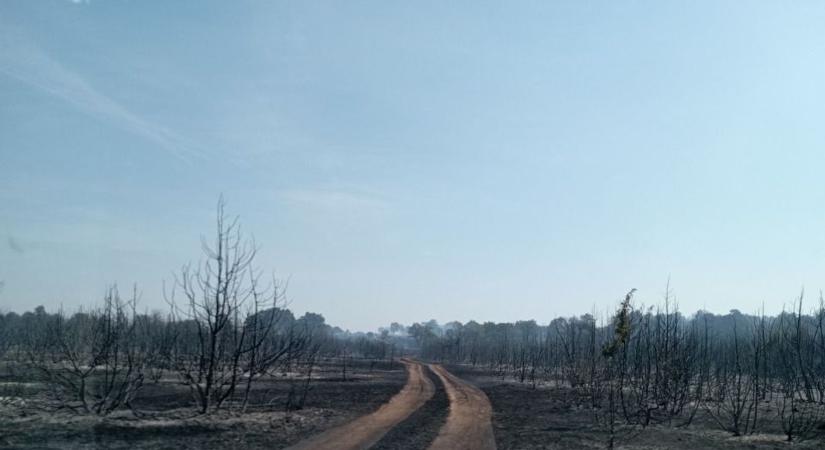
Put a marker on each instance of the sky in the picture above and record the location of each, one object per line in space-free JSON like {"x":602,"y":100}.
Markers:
{"x":402,"y":161}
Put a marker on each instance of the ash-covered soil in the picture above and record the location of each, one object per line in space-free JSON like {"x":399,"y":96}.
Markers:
{"x":168,"y":421}
{"x":554,"y":418}
{"x":420,"y":429}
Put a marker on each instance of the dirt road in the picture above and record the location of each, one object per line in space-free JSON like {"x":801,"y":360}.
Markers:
{"x":365,"y":431}
{"x":468,"y":425}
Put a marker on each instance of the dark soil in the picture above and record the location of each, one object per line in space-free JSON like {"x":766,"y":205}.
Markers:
{"x":420,"y":429}
{"x":556,"y":418}
{"x":168,"y":420}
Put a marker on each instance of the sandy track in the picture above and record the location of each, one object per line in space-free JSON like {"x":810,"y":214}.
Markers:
{"x":365,"y":431}
{"x":468,"y":425}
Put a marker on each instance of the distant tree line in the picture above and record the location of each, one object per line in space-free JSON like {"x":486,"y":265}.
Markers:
{"x":96,"y":360}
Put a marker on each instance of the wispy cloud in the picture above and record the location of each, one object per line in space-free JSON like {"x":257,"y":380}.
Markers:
{"x":22,"y":60}
{"x":331,"y":200}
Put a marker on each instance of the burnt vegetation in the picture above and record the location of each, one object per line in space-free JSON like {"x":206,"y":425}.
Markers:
{"x":643,"y":366}
{"x":227,"y":328}
{"x":228,"y":334}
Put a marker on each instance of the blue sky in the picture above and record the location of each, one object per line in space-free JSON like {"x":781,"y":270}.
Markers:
{"x":401,"y":161}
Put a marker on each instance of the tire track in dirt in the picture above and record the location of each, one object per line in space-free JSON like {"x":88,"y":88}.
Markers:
{"x":420,"y":429}
{"x":365,"y":431}
{"x":469,"y":423}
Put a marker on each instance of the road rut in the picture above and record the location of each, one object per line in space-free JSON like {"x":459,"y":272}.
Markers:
{"x":469,"y":423}
{"x":365,"y":431}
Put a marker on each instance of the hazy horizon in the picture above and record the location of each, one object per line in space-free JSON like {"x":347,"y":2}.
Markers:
{"x":400,"y":162}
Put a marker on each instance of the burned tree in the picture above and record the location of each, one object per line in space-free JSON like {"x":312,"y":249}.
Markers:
{"x":224,"y":333}
{"x":92,"y":362}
